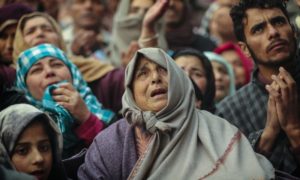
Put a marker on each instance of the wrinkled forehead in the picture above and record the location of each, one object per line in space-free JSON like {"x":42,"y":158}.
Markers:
{"x":35,"y":20}
{"x":258,"y":15}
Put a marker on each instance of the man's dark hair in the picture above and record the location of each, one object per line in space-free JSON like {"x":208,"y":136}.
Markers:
{"x":238,"y":13}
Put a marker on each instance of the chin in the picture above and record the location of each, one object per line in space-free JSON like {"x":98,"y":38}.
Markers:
{"x":159,"y":107}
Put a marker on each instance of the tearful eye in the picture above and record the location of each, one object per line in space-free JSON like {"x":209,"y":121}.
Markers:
{"x":162,"y":70}
{"x":35,"y":70}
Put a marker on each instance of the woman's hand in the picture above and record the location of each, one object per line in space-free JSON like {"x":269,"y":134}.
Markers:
{"x":148,"y":35}
{"x":70,"y":99}
{"x":155,"y":12}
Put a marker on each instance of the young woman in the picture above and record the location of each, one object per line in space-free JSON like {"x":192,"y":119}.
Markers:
{"x":32,"y":141}
{"x":53,"y":83}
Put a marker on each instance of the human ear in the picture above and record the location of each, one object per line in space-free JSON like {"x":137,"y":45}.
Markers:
{"x":244,"y":48}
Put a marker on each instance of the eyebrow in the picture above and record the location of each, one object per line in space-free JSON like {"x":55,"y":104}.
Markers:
{"x":141,"y":67}
{"x":27,"y":143}
{"x":272,"y":20}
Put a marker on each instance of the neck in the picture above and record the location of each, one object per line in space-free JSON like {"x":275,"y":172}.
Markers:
{"x":79,"y":28}
{"x":268,"y":71}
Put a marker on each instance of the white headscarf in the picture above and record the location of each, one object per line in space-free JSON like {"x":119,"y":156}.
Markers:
{"x":187,"y":142}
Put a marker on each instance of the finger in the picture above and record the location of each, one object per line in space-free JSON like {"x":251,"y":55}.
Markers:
{"x":288,"y":79}
{"x":63,"y":91}
{"x":67,"y":86}
{"x":61,"y":98}
{"x":275,"y":86}
{"x":286,"y":75}
{"x":284,"y":89}
{"x":272,"y":92}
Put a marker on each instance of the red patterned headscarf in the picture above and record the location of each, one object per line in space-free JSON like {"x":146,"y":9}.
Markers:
{"x":247,"y":63}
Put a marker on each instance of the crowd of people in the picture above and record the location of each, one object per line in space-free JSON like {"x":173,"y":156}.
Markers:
{"x":149,"y":89}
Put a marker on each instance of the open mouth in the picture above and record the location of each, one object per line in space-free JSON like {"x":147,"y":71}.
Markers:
{"x":157,"y":92}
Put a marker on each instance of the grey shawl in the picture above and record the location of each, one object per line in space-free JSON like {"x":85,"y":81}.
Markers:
{"x":186,"y":142}
{"x":15,"y":118}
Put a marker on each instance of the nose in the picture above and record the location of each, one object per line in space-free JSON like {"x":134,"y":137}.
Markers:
{"x":87,"y":3}
{"x":171,"y":3}
{"x":218,"y":76}
{"x":273,"y":32}
{"x":156,"y":77}
{"x":39,"y":32}
{"x":37,"y":156}
{"x":49,"y":71}
{"x":9,"y":42}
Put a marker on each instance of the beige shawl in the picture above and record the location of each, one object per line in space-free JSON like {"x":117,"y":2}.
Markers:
{"x":188,"y":143}
{"x":90,"y":68}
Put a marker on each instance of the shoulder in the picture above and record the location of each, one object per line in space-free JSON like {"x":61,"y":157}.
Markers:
{"x":214,"y":122}
{"x":114,"y":134}
{"x":243,"y":98}
{"x":104,"y":157}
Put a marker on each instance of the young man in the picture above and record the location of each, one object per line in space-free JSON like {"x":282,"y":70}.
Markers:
{"x":267,"y":109}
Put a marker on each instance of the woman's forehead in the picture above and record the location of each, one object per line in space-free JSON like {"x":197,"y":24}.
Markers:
{"x":145,"y":61}
{"x":36,"y":20}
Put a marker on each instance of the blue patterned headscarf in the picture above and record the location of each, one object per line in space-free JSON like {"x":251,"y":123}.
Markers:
{"x":29,"y":57}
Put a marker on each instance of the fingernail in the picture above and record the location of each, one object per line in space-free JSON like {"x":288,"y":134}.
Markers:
{"x":281,"y":69}
{"x":273,"y":76}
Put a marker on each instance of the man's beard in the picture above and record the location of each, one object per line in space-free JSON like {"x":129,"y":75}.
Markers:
{"x":277,"y":63}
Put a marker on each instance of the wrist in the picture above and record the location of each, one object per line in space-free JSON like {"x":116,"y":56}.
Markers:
{"x":266,"y":142}
{"x":82,"y":118}
{"x":294,"y":137}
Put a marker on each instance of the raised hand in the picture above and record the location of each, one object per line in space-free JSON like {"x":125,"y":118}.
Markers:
{"x":148,"y":36}
{"x":70,"y":99}
{"x":155,"y":12}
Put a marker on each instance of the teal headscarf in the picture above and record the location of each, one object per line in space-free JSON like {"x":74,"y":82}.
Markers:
{"x":215,"y":57}
{"x":62,"y":117}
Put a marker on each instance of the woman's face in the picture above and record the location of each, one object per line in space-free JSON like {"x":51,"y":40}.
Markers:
{"x":38,"y":30}
{"x":193,"y":67}
{"x":222,"y":80}
{"x":45,"y":72}
{"x":150,"y":85}
{"x":32,"y":153}
{"x":238,"y":68}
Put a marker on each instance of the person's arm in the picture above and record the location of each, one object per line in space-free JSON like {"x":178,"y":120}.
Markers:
{"x":88,"y":130}
{"x":149,"y":36}
{"x":270,"y":133}
{"x":287,"y":105}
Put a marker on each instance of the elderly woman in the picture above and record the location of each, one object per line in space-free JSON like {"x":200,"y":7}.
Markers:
{"x":54,"y":84}
{"x":106,"y":82}
{"x":164,"y":136}
{"x":32,"y":142}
